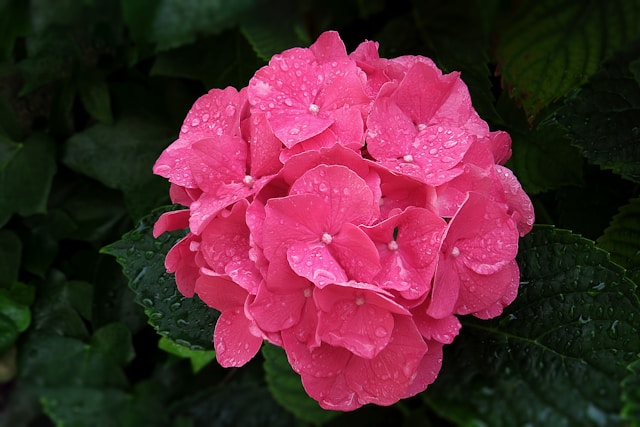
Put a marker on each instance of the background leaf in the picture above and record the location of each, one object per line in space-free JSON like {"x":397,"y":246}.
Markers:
{"x":187,"y":321}
{"x":558,"y":354}
{"x":549,"y":48}
{"x":603,"y":117}
{"x":622,"y":239}
{"x":26,"y":175}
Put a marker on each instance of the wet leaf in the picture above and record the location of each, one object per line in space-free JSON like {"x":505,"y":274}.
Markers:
{"x":603,"y":117}
{"x":558,"y":354}
{"x":548,"y":48}
{"x":187,"y":321}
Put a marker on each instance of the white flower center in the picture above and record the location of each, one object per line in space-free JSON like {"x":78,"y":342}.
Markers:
{"x":248,"y":180}
{"x":326,"y":238}
{"x":455,"y":252}
{"x":314,"y":109}
{"x":392,"y":245}
{"x":408,"y":158}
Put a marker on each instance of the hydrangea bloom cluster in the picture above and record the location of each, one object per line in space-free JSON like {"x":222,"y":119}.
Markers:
{"x":347,"y":208}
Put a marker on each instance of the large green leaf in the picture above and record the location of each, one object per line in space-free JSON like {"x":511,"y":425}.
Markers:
{"x":121,"y":157}
{"x":631,"y":395}
{"x":286,"y":387}
{"x":558,"y":354}
{"x":603,"y":117}
{"x":187,"y":321}
{"x":547,"y":48}
{"x":229,"y":61}
{"x":231,"y":405}
{"x":622,"y":239}
{"x":272,"y":27}
{"x":26,"y":174}
{"x":170,"y":23}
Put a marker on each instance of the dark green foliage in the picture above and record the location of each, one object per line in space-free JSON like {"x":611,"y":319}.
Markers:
{"x":92,"y":91}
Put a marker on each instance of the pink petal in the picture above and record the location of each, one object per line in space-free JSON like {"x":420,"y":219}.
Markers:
{"x":386,"y":378}
{"x":219,"y":292}
{"x":295,"y":218}
{"x":362,"y":329}
{"x":427,"y":370}
{"x":181,"y":260}
{"x":275,"y":312}
{"x":209,"y":205}
{"x":347,"y":195}
{"x":445,"y":290}
{"x":442,"y":330}
{"x":314,"y":262}
{"x":356,"y":253}
{"x":173,"y":164}
{"x":331,"y":393}
{"x":216,"y":161}
{"x":328,"y":46}
{"x":324,"y":361}
{"x":421,"y":105}
{"x":485,"y":235}
{"x":169,"y":221}
{"x":520,"y":206}
{"x":264,"y":147}
{"x":233,"y":341}
{"x":486,"y":295}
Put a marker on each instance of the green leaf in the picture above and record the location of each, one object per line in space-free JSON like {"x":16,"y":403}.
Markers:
{"x":198,"y":358}
{"x":187,"y":321}
{"x":10,"y":254}
{"x":543,"y":159}
{"x":94,"y":94}
{"x":114,"y":341}
{"x":622,"y":239}
{"x":232,"y":405}
{"x":62,"y":306}
{"x":230,"y":61}
{"x":631,"y":395}
{"x":271,"y":27}
{"x":170,"y":23}
{"x":84,"y":407}
{"x":8,"y":333}
{"x":603,"y":117}
{"x":286,"y":388}
{"x":14,"y":305}
{"x":548,"y":48}
{"x":26,"y":174}
{"x":14,"y":23}
{"x":121,"y":156}
{"x":558,"y":354}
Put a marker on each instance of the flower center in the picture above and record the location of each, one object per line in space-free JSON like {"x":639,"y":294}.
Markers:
{"x":326,"y":238}
{"x":455,"y":252}
{"x":314,"y":109}
{"x":248,"y":180}
{"x":359,"y":300}
{"x":420,"y":127}
{"x":392,"y":245}
{"x":408,"y":158}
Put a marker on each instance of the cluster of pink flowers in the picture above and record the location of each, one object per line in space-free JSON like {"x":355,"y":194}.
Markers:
{"x":347,"y":208}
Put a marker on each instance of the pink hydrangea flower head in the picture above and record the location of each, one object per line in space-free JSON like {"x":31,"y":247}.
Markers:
{"x":347,"y":208}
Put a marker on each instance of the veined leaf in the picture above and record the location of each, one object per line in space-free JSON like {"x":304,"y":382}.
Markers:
{"x":622,"y":239}
{"x":558,"y":354}
{"x":187,"y":321}
{"x":603,"y":117}
{"x":26,"y":174}
{"x":551,"y":47}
